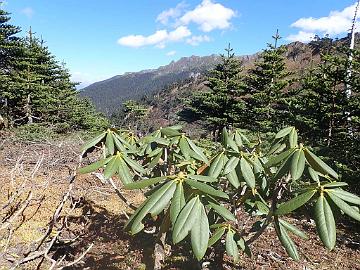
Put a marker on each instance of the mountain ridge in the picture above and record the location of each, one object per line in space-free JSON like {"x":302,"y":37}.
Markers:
{"x":108,"y":95}
{"x":135,"y":85}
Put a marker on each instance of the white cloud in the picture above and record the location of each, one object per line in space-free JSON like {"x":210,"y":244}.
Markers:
{"x":301,"y":36}
{"x":171,"y":53}
{"x":209,"y":16}
{"x":171,"y":13}
{"x":196,"y":40}
{"x":179,"y":33}
{"x":159,"y":38}
{"x":337,"y":22}
{"x":28,"y":12}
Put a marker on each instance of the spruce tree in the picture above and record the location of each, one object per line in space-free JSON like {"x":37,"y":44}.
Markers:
{"x":220,"y":106}
{"x":264,"y":86}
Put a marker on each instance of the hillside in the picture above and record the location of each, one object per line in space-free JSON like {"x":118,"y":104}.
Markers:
{"x":165,"y":106}
{"x":108,"y":95}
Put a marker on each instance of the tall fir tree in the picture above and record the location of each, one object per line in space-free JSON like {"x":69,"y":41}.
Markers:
{"x":265,"y":98}
{"x":220,"y":106}
{"x":9,"y":47}
{"x":30,"y":81}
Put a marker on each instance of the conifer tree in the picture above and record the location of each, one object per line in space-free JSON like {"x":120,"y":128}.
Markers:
{"x":264,"y":86}
{"x":9,"y":45}
{"x":322,"y":109}
{"x":34,"y":87}
{"x":30,"y":81}
{"x":220,"y":106}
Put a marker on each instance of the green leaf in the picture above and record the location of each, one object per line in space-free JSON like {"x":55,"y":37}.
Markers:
{"x":161,"y":141}
{"x":202,"y":178}
{"x":217,"y":165}
{"x":224,"y":136}
{"x":263,"y":208}
{"x":214,"y":226}
{"x":295,"y":203}
{"x":232,"y":144}
{"x":164,"y":200}
{"x":231,"y":246}
{"x":186,"y":220}
{"x":124,"y":172}
{"x":319,"y":165}
{"x":198,"y":151}
{"x":297,"y":164}
{"x":111,"y":167}
{"x":184,"y":147}
{"x":94,"y":166}
{"x":347,"y":209}
{"x":134,"y":165}
{"x":286,"y":241}
{"x":293,"y":138}
{"x":155,"y":152}
{"x":231,"y":165}
{"x":177,"y":202}
{"x":119,"y":145}
{"x":170,"y":132}
{"x":221,"y":210}
{"x":284,"y":168}
{"x":130,"y":221}
{"x":176,"y":127}
{"x":244,"y":247}
{"x":206,"y":189}
{"x":93,"y":142}
{"x":238,"y":139}
{"x":155,"y":160}
{"x":247,"y":172}
{"x":282,"y":133}
{"x":335,"y":184}
{"x":277,"y":159}
{"x":244,"y":139}
{"x":144,"y":183}
{"x":258,"y":167}
{"x":122,"y":140}
{"x":314,"y":174}
{"x":346,"y":196}
{"x":293,"y":229}
{"x":175,"y":140}
{"x":325,"y":222}
{"x":276,"y":148}
{"x":109,"y":143}
{"x":200,"y":233}
{"x":155,"y":198}
{"x":233,"y":179}
{"x":216,"y":236}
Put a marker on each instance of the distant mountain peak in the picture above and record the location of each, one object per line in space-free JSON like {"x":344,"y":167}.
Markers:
{"x":108,"y":95}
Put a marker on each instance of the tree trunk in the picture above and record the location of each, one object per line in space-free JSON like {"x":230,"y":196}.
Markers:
{"x":28,"y":110}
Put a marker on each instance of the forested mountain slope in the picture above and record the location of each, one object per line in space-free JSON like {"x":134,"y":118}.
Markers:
{"x":108,"y":95}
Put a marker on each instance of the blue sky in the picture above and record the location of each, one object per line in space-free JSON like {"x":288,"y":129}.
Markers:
{"x":100,"y":39}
